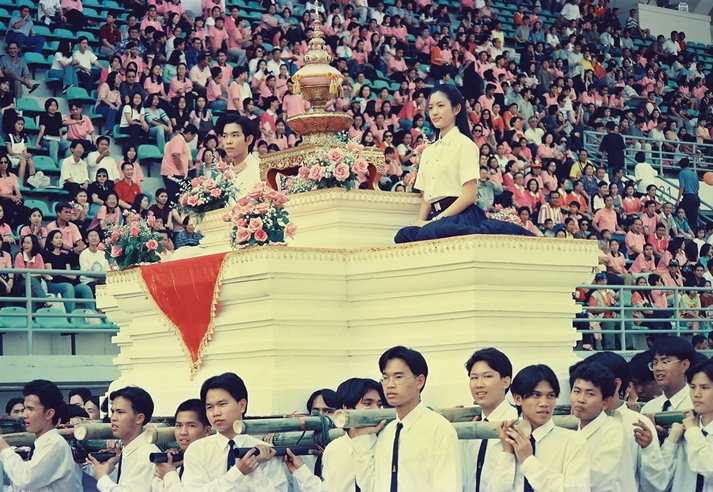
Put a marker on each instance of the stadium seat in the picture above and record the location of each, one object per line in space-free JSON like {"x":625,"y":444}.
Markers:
{"x":29,"y":107}
{"x":149,"y":153}
{"x":42,"y":206}
{"x":118,"y":136}
{"x":50,"y":322}
{"x":35,"y":61}
{"x":45,"y":164}
{"x":79,"y":94}
{"x":31,"y":125}
{"x":64,"y":34}
{"x":13,"y":322}
{"x":91,"y":321}
{"x":90,"y":37}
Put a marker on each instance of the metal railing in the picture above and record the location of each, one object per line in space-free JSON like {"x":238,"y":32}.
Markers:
{"x":65,"y":323}
{"x":629,"y":326}
{"x":701,"y":155}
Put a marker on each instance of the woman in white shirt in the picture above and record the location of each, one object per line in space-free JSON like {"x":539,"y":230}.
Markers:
{"x":447,"y":177}
{"x":133,"y":120}
{"x":63,"y":66}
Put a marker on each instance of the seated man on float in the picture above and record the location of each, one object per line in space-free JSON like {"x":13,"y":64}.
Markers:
{"x":131,"y":408}
{"x":79,"y":396}
{"x":338,"y":471}
{"x":239,"y":137}
{"x":210,"y":463}
{"x":191,"y":424}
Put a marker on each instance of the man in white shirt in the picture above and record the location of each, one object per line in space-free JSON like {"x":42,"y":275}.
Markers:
{"x":592,"y":389}
{"x":88,"y":66}
{"x":694,"y":454}
{"x":239,"y":136}
{"x":73,"y":173}
{"x":131,"y":408}
{"x":651,"y":472}
{"x":210,"y":463}
{"x":417,"y":451}
{"x":551,"y":458}
{"x":490,"y":374}
{"x":338,"y":470}
{"x":101,"y":158}
{"x":51,"y":467}
{"x":671,"y":46}
{"x":191,"y":424}
{"x":570,"y":11}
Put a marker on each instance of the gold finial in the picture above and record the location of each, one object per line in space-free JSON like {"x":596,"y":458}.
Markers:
{"x":316,"y":54}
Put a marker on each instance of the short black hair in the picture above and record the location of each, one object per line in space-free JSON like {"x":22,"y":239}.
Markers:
{"x":597,"y":374}
{"x":103,"y":138}
{"x":75,"y":410}
{"x":705,"y":367}
{"x":228,"y":381}
{"x":351,"y":391}
{"x":83,"y":393}
{"x":194,"y":405}
{"x":497,"y":360}
{"x":412,"y":358}
{"x":674,"y":346}
{"x":141,"y":401}
{"x":247,"y":125}
{"x":329,"y":396}
{"x":617,"y":364}
{"x":49,"y":395}
{"x":526,"y":380}
{"x":639,"y":367}
{"x":12,"y":402}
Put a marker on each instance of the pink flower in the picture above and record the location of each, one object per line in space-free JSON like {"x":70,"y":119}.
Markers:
{"x":255,"y":224}
{"x":336,"y":156}
{"x":341,"y":172}
{"x":227,"y":176}
{"x":290,"y":230}
{"x":215,"y":192}
{"x":134,"y":217}
{"x":241,"y":223}
{"x":303,"y":172}
{"x":243,"y":201}
{"x":116,"y":251}
{"x":222,"y":166}
{"x":315,"y":173}
{"x":410,"y":177}
{"x":209,"y":183}
{"x":226,"y":217}
{"x":101,"y":247}
{"x":353,"y":146}
{"x":242,"y":235}
{"x":150,"y":220}
{"x":360,"y":167}
{"x":152,"y":244}
{"x":134,"y":231}
{"x":115,"y":236}
{"x":281,"y":199}
{"x":192,"y":201}
{"x":262,"y":208}
{"x":260,"y":236}
{"x":195,"y":182}
{"x":183,"y":200}
{"x":421,"y":148}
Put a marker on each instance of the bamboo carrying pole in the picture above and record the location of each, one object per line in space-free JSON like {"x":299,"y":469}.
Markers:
{"x":99,"y":431}
{"x":28,"y":438}
{"x":286,"y":424}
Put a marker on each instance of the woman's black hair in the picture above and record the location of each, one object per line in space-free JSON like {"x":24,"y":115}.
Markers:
{"x":12,"y":402}
{"x":65,"y":47}
{"x":126,"y":152}
{"x":136,"y":206}
{"x":107,"y":206}
{"x":706,"y":367}
{"x":35,"y":244}
{"x":50,"y":236}
{"x":50,"y":101}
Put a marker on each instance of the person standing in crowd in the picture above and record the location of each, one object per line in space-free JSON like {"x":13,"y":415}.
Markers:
{"x":176,"y":161}
{"x":688,"y":189}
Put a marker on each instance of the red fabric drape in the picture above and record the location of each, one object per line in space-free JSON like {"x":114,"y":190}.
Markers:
{"x":186,"y":292}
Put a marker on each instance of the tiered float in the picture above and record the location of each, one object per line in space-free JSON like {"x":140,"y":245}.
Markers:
{"x":290,"y":319}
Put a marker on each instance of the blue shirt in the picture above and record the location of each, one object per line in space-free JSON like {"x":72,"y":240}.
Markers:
{"x":688,"y":180}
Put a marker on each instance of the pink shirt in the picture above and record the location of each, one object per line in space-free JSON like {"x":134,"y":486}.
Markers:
{"x":26,"y":230}
{"x":70,"y":233}
{"x":213,"y":91}
{"x":233,"y":94}
{"x":9,"y":184}
{"x":36,"y":263}
{"x":177,"y":85}
{"x":217,"y":37}
{"x":649,"y":222}
{"x":146,"y":22}
{"x":641,"y":264}
{"x":80,"y":131}
{"x":152,"y":88}
{"x":294,"y":104}
{"x":605,"y":219}
{"x":176,"y":146}
{"x":634,"y":240}
{"x":72,"y":5}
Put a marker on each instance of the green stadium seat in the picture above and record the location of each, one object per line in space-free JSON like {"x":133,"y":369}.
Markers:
{"x":29,"y":107}
{"x":90,"y":37}
{"x":64,"y":34}
{"x":42,"y":206}
{"x":149,"y":153}
{"x":53,"y":322}
{"x":92,"y":321}
{"x":31,"y":125}
{"x":45,"y":164}
{"x":13,"y":322}
{"x":118,"y":136}
{"x":79,"y":94}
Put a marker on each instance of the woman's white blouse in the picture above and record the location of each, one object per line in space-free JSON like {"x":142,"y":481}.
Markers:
{"x":447,"y":165}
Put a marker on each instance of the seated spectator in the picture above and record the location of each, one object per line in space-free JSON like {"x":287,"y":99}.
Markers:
{"x":73,"y":170}
{"x":108,"y":215}
{"x":109,"y":100}
{"x":15,"y":70}
{"x":68,"y":286}
{"x":29,"y":257}
{"x":649,"y":218}
{"x":35,"y":227}
{"x":49,"y":12}
{"x":216,"y":91}
{"x":101,"y":158}
{"x":188,"y":236}
{"x":153,"y":84}
{"x":93,"y":260}
{"x":141,"y":205}
{"x":645,"y":262}
{"x":64,"y":66}
{"x":109,"y":36}
{"x":551,"y":210}
{"x":87,"y":63}
{"x":130,"y":155}
{"x":163,"y":210}
{"x":70,"y":232}
{"x":202,"y":118}
{"x":50,"y":135}
{"x":80,"y":210}
{"x":158,"y":121}
{"x":79,"y":126}
{"x":129,"y":87}
{"x":681,"y":222}
{"x":17,"y":152}
{"x":73,"y":13}
{"x":133,"y":119}
{"x":100,"y":187}
{"x":7,"y":279}
{"x":126,"y":189}
{"x":10,"y":195}
{"x":690,"y":307}
{"x":6,"y":239}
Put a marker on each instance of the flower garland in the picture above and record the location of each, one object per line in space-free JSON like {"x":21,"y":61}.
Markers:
{"x":132,"y":243}
{"x":338,"y":167}
{"x":211,"y":192}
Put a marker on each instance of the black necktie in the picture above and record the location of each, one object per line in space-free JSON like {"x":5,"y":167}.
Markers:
{"x":180,"y":471}
{"x":528,"y":487}
{"x":231,"y":455}
{"x":481,"y":461}
{"x":699,"y":478}
{"x":118,"y":473}
{"x":318,"y":466}
{"x":666,"y":405}
{"x":395,"y":459}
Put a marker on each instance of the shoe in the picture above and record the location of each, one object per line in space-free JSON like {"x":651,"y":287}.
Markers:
{"x":64,"y":89}
{"x":34,"y":88}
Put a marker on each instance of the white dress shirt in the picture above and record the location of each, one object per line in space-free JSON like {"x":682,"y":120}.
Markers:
{"x":609,"y":457}
{"x":471,"y":447}
{"x":651,"y":471}
{"x":337,"y":468}
{"x":429,"y":455}
{"x":136,"y":469}
{"x":447,"y":165}
{"x":679,"y":401}
{"x":205,"y":463}
{"x":51,"y":468}
{"x":691,"y":456}
{"x":560,"y":464}
{"x":107,"y":163}
{"x":247,"y":178}
{"x":76,"y":171}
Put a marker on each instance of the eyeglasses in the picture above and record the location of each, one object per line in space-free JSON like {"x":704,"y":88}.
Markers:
{"x":397,"y":379}
{"x":4,"y":161}
{"x":661,"y":363}
{"x":388,"y":136}
{"x":478,"y":130}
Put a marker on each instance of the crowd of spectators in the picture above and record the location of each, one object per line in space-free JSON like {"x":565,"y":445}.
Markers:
{"x":535,"y":79}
